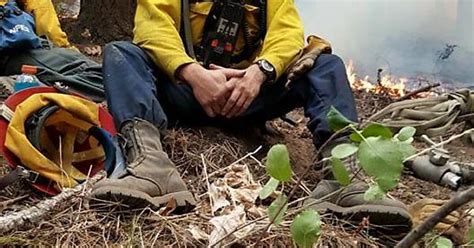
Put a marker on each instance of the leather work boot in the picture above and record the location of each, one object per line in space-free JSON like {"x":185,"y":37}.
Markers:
{"x":390,"y":217}
{"x":150,"y":179}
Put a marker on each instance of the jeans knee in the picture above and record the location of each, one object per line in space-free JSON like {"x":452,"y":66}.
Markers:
{"x":123,"y":52}
{"x":329,"y":63}
{"x":117,"y":46}
{"x":118,"y":49}
{"x":331,"y":59}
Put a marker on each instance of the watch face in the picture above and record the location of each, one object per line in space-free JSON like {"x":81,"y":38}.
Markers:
{"x":267,"y":66}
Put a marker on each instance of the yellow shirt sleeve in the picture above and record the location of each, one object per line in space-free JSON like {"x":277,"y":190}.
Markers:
{"x":47,"y":22}
{"x":285,"y":35}
{"x":157,"y":24}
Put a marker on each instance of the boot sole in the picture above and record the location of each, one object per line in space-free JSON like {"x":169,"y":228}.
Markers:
{"x":387,"y":219}
{"x":134,"y":199}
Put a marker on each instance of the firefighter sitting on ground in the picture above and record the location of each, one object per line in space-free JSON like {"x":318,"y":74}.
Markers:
{"x":223,"y":63}
{"x":56,"y":62}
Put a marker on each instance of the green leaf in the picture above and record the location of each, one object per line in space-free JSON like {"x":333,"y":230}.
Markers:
{"x":275,"y":206}
{"x":306,"y":228}
{"x":340,"y":172}
{"x":382,"y":159}
{"x":356,"y":137}
{"x":373,"y":130}
{"x":374,"y":193}
{"x":405,"y":148}
{"x":408,"y":141}
{"x":443,"y":242}
{"x":406,"y":133}
{"x":278,"y":163}
{"x":269,"y":188}
{"x":336,"y":120}
{"x":344,"y":150}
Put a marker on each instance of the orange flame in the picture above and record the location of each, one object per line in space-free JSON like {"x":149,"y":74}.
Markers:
{"x":391,"y":86}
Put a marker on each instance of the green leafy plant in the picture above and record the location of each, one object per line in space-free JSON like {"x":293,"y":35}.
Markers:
{"x":269,"y":188}
{"x":340,"y":172}
{"x":278,"y":163}
{"x":279,"y":168}
{"x":337,"y":121}
{"x":373,"y":193}
{"x":380,"y":154}
{"x":274,"y":211}
{"x":306,"y":228}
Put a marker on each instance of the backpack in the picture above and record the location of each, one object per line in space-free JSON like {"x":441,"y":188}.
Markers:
{"x":17,"y":29}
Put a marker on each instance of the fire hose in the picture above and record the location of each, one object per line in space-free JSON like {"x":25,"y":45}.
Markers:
{"x":431,"y":116}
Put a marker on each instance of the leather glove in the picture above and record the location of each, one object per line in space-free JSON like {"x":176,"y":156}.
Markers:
{"x":299,"y":66}
{"x":451,"y":226}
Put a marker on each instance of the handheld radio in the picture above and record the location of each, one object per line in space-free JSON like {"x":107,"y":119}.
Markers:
{"x":223,"y":26}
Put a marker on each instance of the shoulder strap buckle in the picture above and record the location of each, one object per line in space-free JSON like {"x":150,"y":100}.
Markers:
{"x":28,"y":175}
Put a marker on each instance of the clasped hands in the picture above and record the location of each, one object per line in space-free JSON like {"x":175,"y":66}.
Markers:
{"x":223,"y":91}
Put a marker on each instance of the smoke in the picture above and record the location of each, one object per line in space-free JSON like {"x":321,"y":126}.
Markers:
{"x":405,"y":37}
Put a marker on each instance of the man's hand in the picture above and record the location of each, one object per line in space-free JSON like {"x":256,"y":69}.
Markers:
{"x":229,"y":72}
{"x":246,"y":88}
{"x":210,"y":87}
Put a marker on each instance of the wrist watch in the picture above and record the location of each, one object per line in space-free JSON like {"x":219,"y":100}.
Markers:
{"x":267,"y":69}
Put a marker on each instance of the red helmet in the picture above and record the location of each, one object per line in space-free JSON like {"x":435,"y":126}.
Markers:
{"x":60,"y":139}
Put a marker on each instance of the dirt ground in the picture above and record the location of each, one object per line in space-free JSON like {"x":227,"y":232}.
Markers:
{"x":220,"y":148}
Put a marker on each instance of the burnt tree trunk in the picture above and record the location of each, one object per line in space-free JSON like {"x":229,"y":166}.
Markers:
{"x":102,"y":21}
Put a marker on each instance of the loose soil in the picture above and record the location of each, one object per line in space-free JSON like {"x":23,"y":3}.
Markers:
{"x":220,"y":149}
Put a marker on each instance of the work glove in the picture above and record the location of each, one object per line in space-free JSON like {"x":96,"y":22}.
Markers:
{"x":451,"y":226}
{"x":305,"y":61}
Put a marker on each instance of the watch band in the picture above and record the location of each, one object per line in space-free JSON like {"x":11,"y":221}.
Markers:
{"x":268,"y":69}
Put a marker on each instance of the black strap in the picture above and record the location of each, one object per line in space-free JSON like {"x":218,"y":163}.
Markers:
{"x":186,"y":31}
{"x":105,"y":139}
{"x":35,"y":123}
{"x":18,"y":173}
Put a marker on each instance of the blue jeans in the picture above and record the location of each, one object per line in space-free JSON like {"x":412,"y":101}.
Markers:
{"x":136,"y":88}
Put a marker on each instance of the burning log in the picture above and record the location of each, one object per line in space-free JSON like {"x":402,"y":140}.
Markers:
{"x":420,"y":90}
{"x":386,"y":85}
